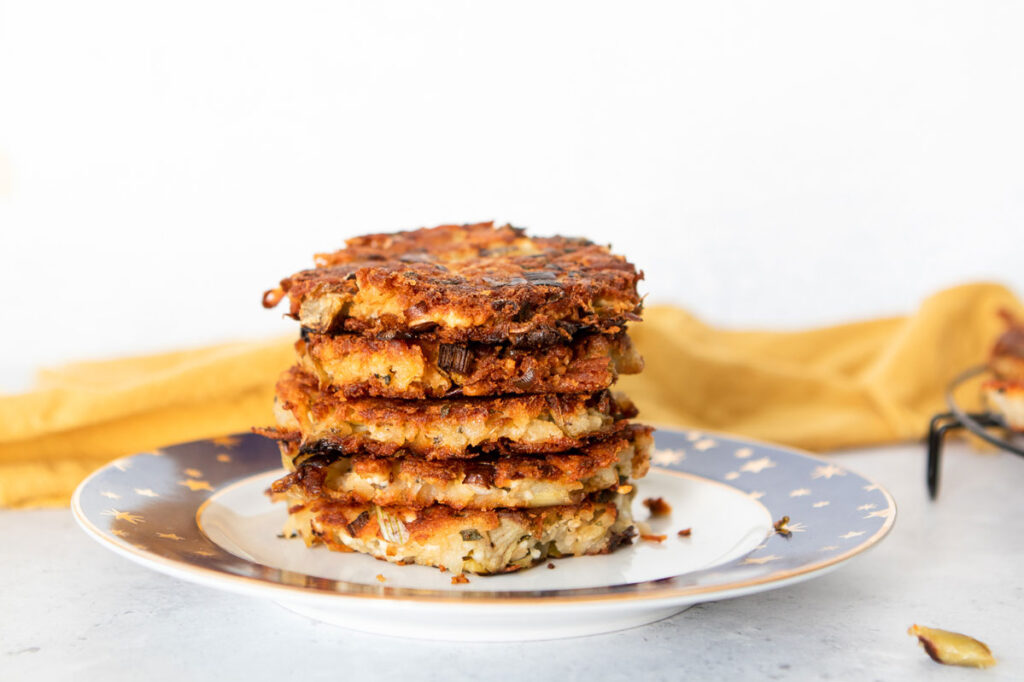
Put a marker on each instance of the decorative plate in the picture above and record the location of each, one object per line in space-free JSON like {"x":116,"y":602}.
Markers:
{"x":197,"y":511}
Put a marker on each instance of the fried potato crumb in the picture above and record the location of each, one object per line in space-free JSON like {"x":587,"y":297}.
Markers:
{"x":460,"y":579}
{"x":658,"y":506}
{"x":381,"y":578}
{"x":651,"y":537}
{"x":685,"y":533}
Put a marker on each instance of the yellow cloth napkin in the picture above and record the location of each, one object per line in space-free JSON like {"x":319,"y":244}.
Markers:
{"x":855,"y":384}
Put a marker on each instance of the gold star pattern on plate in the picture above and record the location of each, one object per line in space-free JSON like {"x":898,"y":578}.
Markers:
{"x":202,"y":552}
{"x":664,"y":457}
{"x":124,"y":516}
{"x":796,"y":527}
{"x":113,"y":496}
{"x":820,"y":503}
{"x":743,"y":453}
{"x":869,"y":488}
{"x":169,"y":536}
{"x":827,"y":471}
{"x":121,"y":464}
{"x":693,"y":436}
{"x":195,"y":485}
{"x":193,"y":473}
{"x":224,"y":457}
{"x":879,"y":514}
{"x":118,"y":532}
{"x":157,"y":453}
{"x":829,"y":548}
{"x":756,"y":466}
{"x":226,"y":442}
{"x":146,"y":492}
{"x":761,"y":559}
{"x":852,"y":534}
{"x":865,"y":507}
{"x":799,"y":492}
{"x":732,"y":475}
{"x":705,"y":444}
{"x":755,"y":494}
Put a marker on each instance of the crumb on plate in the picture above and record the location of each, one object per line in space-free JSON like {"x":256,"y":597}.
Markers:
{"x":658,"y":506}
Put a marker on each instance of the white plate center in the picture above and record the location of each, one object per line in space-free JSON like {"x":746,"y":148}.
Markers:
{"x":725,"y":524}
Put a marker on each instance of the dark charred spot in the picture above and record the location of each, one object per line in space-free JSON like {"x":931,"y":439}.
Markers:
{"x":525,"y":312}
{"x":358,"y":523}
{"x":542,"y":278}
{"x":453,"y":357}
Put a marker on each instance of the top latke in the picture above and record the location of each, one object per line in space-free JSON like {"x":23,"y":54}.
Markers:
{"x":461,"y":283}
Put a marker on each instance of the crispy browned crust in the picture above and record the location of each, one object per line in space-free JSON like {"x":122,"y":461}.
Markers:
{"x":415,"y":369}
{"x":483,"y":483}
{"x":449,"y":428}
{"x":465,"y":283}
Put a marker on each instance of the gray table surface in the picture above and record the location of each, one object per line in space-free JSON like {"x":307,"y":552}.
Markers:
{"x":70,"y":609}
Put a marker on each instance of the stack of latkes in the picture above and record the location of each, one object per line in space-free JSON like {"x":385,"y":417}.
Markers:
{"x":450,"y":405}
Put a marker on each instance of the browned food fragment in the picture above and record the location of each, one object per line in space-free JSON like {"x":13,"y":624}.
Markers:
{"x":381,"y":578}
{"x":465,"y":283}
{"x":652,"y":537}
{"x":658,"y":506}
{"x":781,"y":528}
{"x":460,"y":579}
{"x":953,"y":648}
{"x":685,"y":533}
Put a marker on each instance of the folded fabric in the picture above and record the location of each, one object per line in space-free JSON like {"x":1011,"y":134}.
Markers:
{"x":865,"y":383}
{"x":856,"y":384}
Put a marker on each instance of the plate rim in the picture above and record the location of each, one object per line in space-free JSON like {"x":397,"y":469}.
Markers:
{"x":482,"y":598}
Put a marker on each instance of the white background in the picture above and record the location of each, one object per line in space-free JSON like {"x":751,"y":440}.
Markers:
{"x":775,"y":164}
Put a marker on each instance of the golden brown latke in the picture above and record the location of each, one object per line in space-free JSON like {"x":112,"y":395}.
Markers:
{"x":487,"y":482}
{"x":441,"y":429}
{"x":1007,"y":399}
{"x":465,"y":283}
{"x":414,"y":369}
{"x":1007,"y":359}
{"x":476,"y":541}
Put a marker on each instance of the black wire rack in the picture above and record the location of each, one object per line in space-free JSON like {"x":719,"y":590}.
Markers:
{"x":957,"y":418}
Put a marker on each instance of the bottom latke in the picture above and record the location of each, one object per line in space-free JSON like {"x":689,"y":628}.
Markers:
{"x":471,"y":541}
